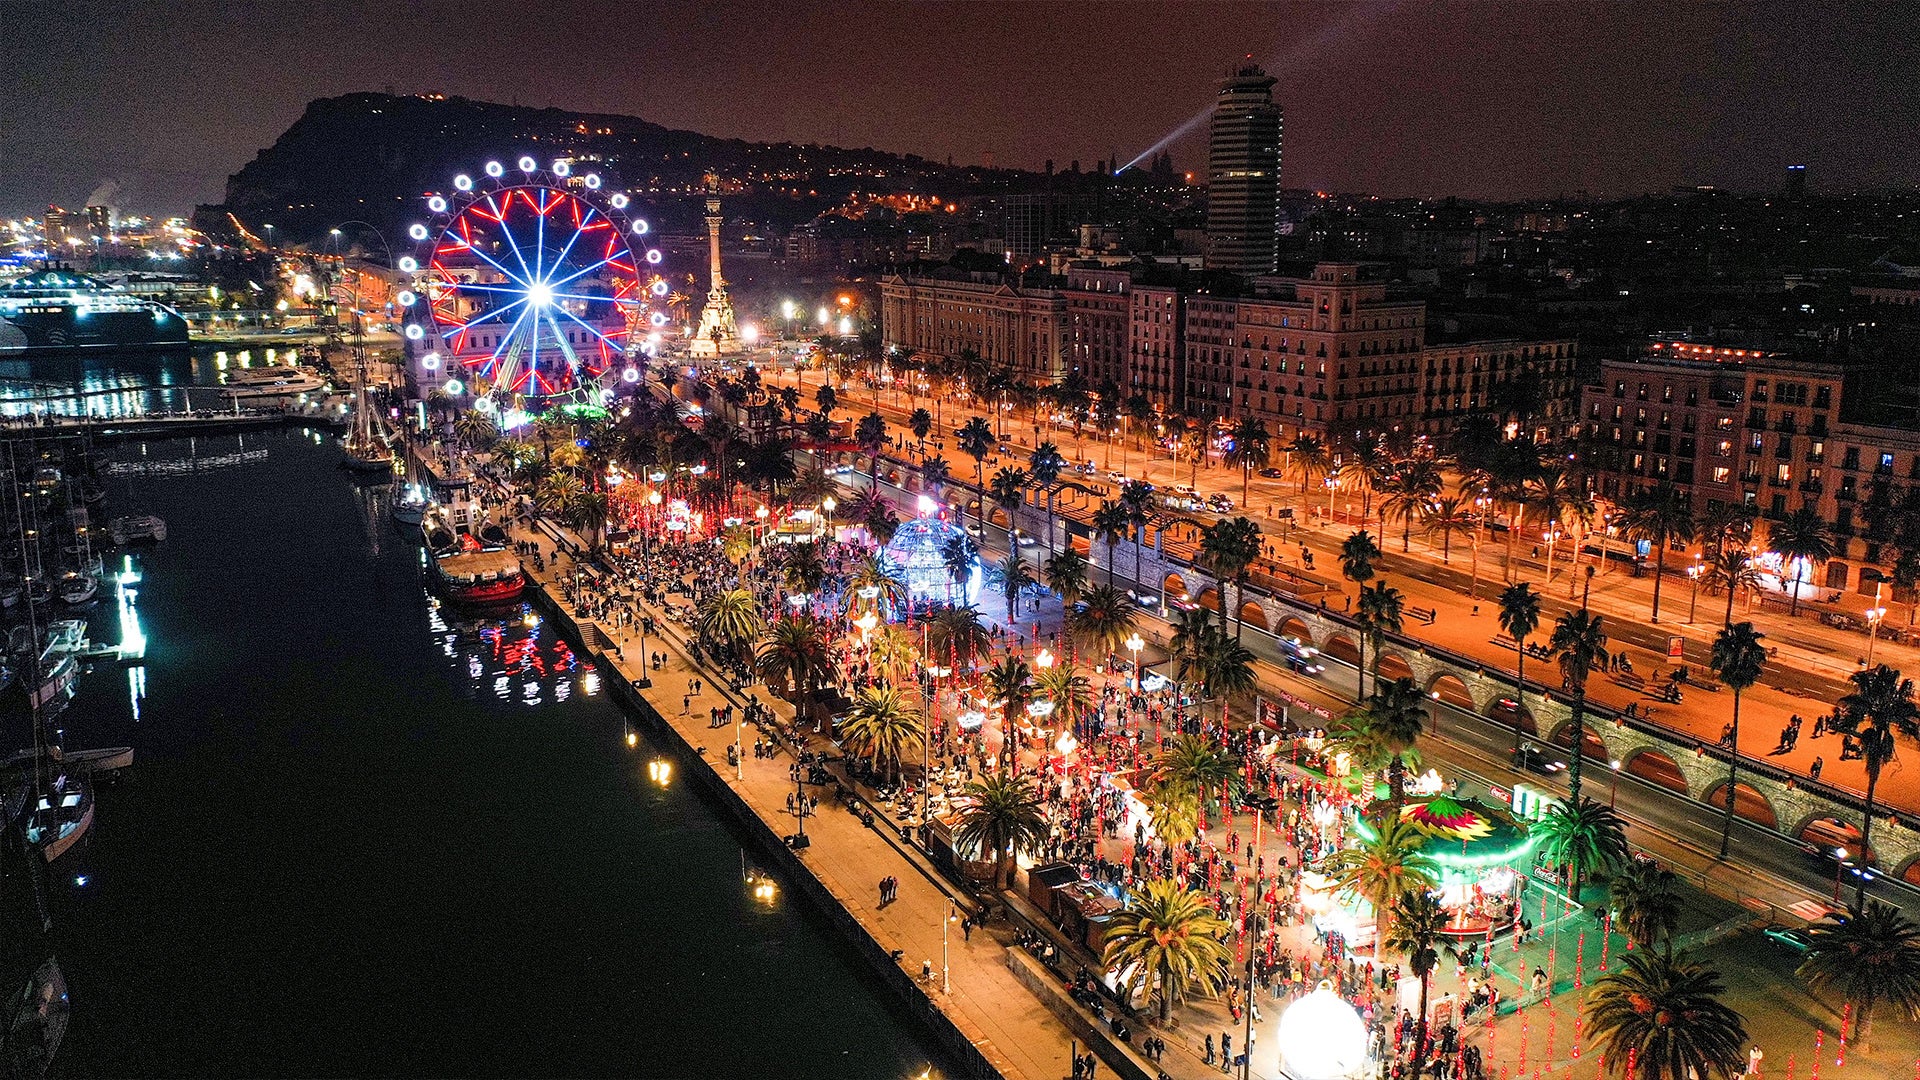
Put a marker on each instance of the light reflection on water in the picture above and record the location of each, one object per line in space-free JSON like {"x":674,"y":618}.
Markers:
{"x":509,"y":653}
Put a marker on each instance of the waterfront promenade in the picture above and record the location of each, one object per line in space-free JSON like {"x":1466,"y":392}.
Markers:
{"x":1015,"y":1034}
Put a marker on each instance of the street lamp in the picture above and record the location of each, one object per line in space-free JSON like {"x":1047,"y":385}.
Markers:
{"x":1694,"y":572}
{"x":1874,"y":615}
{"x":946,"y":978}
{"x":828,"y":504}
{"x":1134,"y":645}
{"x":1840,"y":863}
{"x":1613,"y":794}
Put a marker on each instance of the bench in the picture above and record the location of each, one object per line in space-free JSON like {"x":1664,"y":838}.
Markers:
{"x":1425,"y":615}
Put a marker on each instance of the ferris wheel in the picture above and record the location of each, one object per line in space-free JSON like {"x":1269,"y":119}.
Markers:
{"x":531,"y":289}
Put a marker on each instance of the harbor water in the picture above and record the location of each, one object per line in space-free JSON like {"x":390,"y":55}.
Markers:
{"x":368,"y":834}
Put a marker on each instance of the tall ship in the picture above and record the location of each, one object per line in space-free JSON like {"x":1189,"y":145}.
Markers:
{"x":56,"y":310}
{"x":471,"y":557}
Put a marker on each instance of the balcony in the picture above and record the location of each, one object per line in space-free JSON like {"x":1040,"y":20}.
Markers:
{"x":1756,"y":422}
{"x":1811,"y":487}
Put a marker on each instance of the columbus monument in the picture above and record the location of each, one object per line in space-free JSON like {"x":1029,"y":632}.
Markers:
{"x":717,"y":335}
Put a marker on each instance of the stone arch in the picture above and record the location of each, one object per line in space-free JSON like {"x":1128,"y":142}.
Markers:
{"x":1209,"y":598}
{"x":1447,"y":687}
{"x":1175,"y":586}
{"x":1910,"y":873}
{"x":1294,"y":627}
{"x":1654,"y":767}
{"x":1253,"y":614}
{"x":1505,"y":710}
{"x":998,"y":516}
{"x":1393,"y":666}
{"x":1593,"y":747}
{"x":1748,"y":803}
{"x":1342,"y":646}
{"x":1827,"y":832}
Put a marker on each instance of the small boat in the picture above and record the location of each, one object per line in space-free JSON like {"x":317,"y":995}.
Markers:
{"x":39,"y":592}
{"x":409,"y":505}
{"x":11,"y":591}
{"x":61,"y":816}
{"x":57,"y":682}
{"x":37,"y":1016}
{"x":91,"y":490}
{"x":367,"y":447}
{"x":77,"y":588}
{"x":133,"y":527}
{"x":466,"y":566}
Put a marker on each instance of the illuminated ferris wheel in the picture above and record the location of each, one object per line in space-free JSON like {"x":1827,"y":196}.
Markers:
{"x":531,"y":288}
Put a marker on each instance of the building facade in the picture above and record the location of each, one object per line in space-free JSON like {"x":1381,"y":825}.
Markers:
{"x":1025,"y":331}
{"x":1097,"y":310}
{"x":1243,"y":174}
{"x":1746,"y":426}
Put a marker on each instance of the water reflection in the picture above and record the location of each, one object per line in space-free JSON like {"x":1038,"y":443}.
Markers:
{"x":509,"y":653}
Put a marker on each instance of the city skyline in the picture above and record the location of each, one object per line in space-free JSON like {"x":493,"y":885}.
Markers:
{"x":1481,"y":101}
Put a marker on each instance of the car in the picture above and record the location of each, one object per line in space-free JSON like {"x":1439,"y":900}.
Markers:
{"x":1219,"y":504}
{"x":1532,"y":758}
{"x":1023,"y":539}
{"x":1831,"y":862}
{"x":1272,"y":473}
{"x":839,"y":470}
{"x":1117,"y":476}
{"x":1791,"y":938}
{"x":973,"y":529}
{"x":1086,"y":468}
{"x":1301,"y":658}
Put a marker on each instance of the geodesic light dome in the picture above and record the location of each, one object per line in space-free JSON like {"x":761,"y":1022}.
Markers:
{"x":1322,"y":1038}
{"x":917,"y":554}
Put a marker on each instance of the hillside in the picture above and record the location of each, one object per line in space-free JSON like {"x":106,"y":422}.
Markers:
{"x":367,"y":155}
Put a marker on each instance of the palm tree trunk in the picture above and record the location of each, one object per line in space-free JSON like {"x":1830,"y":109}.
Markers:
{"x":1732,"y":589}
{"x":1866,"y":836}
{"x":1520,"y":677}
{"x":1579,"y":746}
{"x":1166,"y":992}
{"x":1659,"y":571}
{"x":1360,"y":673}
{"x":1793,"y":602}
{"x":1420,"y":1031}
{"x":1733,"y":768}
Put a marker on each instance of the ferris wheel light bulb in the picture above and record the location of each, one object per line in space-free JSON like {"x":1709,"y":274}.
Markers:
{"x":593,"y":181}
{"x":528,"y":165}
{"x":631,"y":375}
{"x":437,"y":204}
{"x":417,"y":231}
{"x":640,"y":226}
{"x":495,"y":169}
{"x":409,"y":264}
{"x":414,"y":333}
{"x":463,"y":182}
{"x":618,"y":199}
{"x":561,"y":168}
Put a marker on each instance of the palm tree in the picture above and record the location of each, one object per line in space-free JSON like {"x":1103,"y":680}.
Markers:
{"x":1251,"y":450}
{"x":1137,"y":497}
{"x":871,"y":434}
{"x":1229,"y":549}
{"x":1069,"y":691}
{"x":803,"y":571}
{"x":1011,"y":684}
{"x":1066,"y":574}
{"x":1378,"y":613}
{"x":795,"y":657}
{"x":1395,"y":719}
{"x":1584,"y":836}
{"x":1519,"y":617}
{"x":1803,"y":537}
{"x":1308,"y":459}
{"x":1015,"y":577}
{"x":1730,"y":568}
{"x":1386,"y":864}
{"x":1009,"y":492}
{"x":1043,"y":468}
{"x":1868,"y":955}
{"x":1665,"y":1018}
{"x":999,"y":815}
{"x":1738,"y":658}
{"x":1659,"y":516}
{"x":1582,"y":647}
{"x":1451,"y":516}
{"x":1198,"y":766}
{"x":1102,"y":620}
{"x":1358,"y":553}
{"x":884,"y":726}
{"x":957,"y":634}
{"x":1419,"y":933}
{"x":1226,"y":669}
{"x":895,"y":650}
{"x":933,"y":473}
{"x":1645,"y":900}
{"x":1549,"y":494}
{"x":1171,"y":935}
{"x":976,"y":441}
{"x":1173,"y":812}
{"x":872,"y":585}
{"x":1878,"y":713}
{"x":731,"y":620}
{"x":1410,"y":491}
{"x":1110,"y":524}
{"x":588,"y":512}
{"x":920,"y":422}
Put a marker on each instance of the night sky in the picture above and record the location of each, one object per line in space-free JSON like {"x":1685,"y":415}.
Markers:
{"x":148,"y":106}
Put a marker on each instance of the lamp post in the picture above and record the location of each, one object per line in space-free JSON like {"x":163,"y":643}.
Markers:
{"x":1134,"y":645}
{"x":1874,"y":615}
{"x":1613,"y":793}
{"x":946,"y":976}
{"x":828,"y":504}
{"x":1694,"y":573}
{"x":1840,"y":864}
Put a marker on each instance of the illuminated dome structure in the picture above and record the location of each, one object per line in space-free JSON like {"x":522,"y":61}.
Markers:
{"x":917,"y":555}
{"x":531,"y":288}
{"x":1322,"y":1038}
